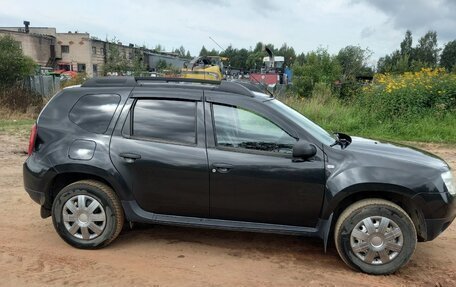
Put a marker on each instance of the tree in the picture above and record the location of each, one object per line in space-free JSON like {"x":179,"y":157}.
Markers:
{"x":254,"y":60}
{"x":427,"y":50}
{"x":448,"y":57}
{"x":353,"y":60}
{"x":159,"y":48}
{"x":300,"y":59}
{"x":406,"y":44}
{"x":116,"y":61}
{"x":203,"y":51}
{"x":241,"y":59}
{"x":410,"y":58}
{"x":182,"y":51}
{"x":14,"y":66}
{"x":258,"y":47}
{"x":212,"y":52}
{"x":288,"y":53}
{"x":161,"y":65}
{"x":138,"y":65}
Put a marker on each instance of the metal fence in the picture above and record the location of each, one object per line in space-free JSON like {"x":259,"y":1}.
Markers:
{"x":46,"y":86}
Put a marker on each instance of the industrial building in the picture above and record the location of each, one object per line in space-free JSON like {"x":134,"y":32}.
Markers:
{"x":76,"y":51}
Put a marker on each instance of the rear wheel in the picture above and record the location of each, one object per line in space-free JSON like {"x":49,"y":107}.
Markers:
{"x":375,"y":236}
{"x":87,"y":214}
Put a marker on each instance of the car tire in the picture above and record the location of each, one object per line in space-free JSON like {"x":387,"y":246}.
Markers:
{"x":375,"y":236}
{"x":87,"y":214}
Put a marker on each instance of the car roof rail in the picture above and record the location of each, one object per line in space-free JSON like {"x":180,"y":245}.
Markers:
{"x":222,"y":86}
{"x":110,"y":82}
{"x":175,"y":80}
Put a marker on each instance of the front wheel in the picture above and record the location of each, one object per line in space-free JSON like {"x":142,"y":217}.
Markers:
{"x":375,"y":236}
{"x":87,"y":214}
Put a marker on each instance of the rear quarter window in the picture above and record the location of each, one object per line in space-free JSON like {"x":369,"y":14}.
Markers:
{"x":94,"y":112}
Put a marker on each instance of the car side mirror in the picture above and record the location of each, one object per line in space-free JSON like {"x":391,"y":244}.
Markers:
{"x":303,"y":150}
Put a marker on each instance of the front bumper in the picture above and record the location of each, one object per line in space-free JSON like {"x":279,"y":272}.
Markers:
{"x":438,"y":210}
{"x":435,"y":227}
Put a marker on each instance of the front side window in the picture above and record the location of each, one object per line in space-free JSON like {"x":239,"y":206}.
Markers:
{"x":165,"y":120}
{"x":319,"y":133}
{"x":242,"y":129}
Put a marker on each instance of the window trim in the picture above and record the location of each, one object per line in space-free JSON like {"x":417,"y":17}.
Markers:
{"x":245,"y":150}
{"x":130,"y":117}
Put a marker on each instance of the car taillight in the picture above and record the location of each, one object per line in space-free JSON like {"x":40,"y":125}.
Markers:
{"x":32,"y":139}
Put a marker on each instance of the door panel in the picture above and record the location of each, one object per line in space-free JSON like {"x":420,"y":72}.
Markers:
{"x":253,"y":177}
{"x":167,"y":173}
{"x":168,"y":178}
{"x":267,"y":189}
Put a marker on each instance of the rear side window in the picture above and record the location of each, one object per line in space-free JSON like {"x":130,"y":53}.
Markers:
{"x":165,"y":120}
{"x":94,"y":112}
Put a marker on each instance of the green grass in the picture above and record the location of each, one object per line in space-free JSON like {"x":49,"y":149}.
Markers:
{"x":334,"y":116}
{"x":20,"y":127}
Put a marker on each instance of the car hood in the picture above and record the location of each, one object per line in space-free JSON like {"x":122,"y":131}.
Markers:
{"x":395,"y":151}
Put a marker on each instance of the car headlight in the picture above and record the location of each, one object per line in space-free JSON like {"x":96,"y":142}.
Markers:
{"x":449,"y":182}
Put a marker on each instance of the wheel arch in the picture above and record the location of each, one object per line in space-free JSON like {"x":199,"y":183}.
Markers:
{"x":74,"y":173}
{"x":399,"y":195}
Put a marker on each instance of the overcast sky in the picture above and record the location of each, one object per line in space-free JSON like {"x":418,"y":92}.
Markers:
{"x":305,"y":25}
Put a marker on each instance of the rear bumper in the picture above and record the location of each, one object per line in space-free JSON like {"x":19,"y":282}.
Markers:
{"x":37,"y":196}
{"x":37,"y":181}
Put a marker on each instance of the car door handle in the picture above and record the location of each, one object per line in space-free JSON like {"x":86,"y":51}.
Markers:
{"x":129,"y":156}
{"x":221,"y":167}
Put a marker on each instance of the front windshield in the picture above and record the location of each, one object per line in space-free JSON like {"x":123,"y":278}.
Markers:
{"x":315,"y":130}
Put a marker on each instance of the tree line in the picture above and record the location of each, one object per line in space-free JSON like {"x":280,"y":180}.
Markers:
{"x":352,"y":59}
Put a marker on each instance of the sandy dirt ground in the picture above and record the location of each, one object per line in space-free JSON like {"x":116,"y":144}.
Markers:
{"x":32,"y":254}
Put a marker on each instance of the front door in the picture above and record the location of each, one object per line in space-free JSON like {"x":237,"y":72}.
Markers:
{"x":160,"y":151}
{"x":253,"y":177}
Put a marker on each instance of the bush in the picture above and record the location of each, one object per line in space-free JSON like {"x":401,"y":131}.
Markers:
{"x":78,"y":80}
{"x":349,"y":90}
{"x":318,"y":67}
{"x":14,"y":66}
{"x":411,"y":94}
{"x":18,"y":99}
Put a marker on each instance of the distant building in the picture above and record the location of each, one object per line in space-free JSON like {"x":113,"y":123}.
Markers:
{"x":39,"y":47}
{"x":74,"y":51}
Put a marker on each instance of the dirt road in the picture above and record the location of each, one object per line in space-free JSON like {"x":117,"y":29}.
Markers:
{"x":32,"y":254}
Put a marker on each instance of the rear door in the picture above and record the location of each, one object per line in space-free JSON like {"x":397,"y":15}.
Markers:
{"x":159,"y":149}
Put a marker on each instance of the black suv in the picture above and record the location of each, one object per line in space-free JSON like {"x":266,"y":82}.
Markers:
{"x":224,"y":155}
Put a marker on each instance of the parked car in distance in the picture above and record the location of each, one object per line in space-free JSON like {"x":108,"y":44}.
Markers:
{"x":220,"y":154}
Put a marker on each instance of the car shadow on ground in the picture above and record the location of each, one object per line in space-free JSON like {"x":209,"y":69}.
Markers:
{"x":238,"y":244}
